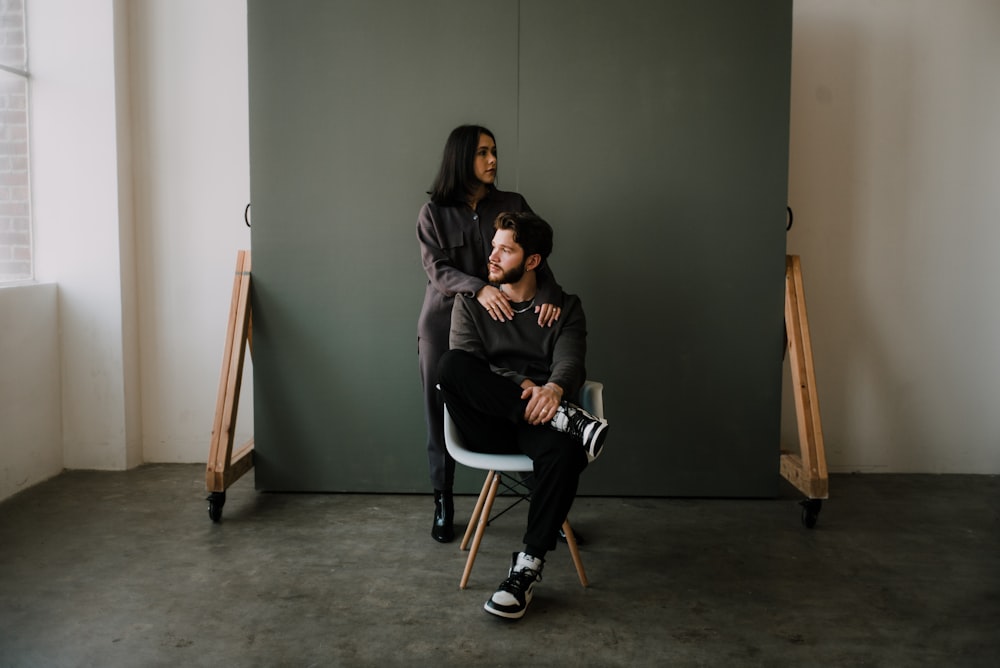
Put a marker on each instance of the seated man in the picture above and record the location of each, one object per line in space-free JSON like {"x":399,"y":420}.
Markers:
{"x":507,"y":384}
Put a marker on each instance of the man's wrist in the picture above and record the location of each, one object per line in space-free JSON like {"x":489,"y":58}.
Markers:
{"x":558,"y":390}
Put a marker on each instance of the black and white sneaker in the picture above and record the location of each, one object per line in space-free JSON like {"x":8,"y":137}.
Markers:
{"x":578,"y":423}
{"x":514,"y":594}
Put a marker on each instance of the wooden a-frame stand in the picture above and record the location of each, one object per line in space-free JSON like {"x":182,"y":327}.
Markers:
{"x":807,"y":469}
{"x":225,"y":466}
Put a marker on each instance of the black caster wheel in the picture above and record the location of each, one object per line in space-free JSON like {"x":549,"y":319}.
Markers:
{"x":215,"y":502}
{"x":810,"y":511}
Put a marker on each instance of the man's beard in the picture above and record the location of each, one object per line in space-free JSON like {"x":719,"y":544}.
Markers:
{"x":511,"y":275}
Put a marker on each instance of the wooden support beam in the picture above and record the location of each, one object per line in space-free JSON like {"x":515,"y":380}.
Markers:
{"x":224,"y":466}
{"x":807,"y":469}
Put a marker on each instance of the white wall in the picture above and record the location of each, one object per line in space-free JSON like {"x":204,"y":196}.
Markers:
{"x":190,"y":105}
{"x":30,"y":405}
{"x":894,"y":166}
{"x":140,"y":175}
{"x":75,"y":116}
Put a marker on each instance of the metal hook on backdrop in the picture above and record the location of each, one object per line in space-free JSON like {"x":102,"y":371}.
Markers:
{"x":246,"y":215}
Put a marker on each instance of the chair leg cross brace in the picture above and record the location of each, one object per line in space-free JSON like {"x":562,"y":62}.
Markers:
{"x":481,"y":518}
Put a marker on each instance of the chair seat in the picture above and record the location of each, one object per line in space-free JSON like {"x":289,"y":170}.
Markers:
{"x":516,"y":463}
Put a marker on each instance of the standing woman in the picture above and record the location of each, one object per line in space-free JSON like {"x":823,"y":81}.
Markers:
{"x":455,"y":231}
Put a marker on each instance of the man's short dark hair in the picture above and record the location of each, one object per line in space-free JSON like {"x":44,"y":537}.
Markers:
{"x":530,"y":231}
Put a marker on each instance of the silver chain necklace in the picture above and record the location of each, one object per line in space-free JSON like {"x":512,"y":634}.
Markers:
{"x":526,"y":308}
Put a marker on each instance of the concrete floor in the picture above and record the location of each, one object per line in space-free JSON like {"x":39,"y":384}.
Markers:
{"x":126,"y":569}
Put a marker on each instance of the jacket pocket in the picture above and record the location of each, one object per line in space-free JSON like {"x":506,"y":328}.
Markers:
{"x":453,"y":237}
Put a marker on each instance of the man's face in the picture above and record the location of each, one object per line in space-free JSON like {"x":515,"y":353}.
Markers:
{"x":506,"y":261}
{"x":484,"y":165}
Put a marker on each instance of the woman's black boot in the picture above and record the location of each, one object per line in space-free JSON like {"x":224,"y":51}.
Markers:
{"x":443,"y":530}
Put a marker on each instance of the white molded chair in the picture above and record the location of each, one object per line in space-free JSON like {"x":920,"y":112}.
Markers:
{"x":591,"y":399}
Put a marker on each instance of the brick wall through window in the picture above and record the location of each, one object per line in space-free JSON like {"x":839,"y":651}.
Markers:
{"x":15,"y":194}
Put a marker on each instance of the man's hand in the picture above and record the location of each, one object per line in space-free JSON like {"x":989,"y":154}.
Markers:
{"x":495,"y":302}
{"x":543,"y":400}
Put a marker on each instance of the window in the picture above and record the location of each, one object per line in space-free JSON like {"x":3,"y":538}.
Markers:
{"x":15,"y":194}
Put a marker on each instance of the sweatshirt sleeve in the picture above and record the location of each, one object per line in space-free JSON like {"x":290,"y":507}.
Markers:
{"x":435,"y":237}
{"x":464,"y":333}
{"x":570,"y":351}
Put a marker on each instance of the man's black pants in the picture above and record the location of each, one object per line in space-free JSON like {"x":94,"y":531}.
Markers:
{"x":488,"y":410}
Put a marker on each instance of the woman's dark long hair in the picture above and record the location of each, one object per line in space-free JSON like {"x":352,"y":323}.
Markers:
{"x":456,"y":178}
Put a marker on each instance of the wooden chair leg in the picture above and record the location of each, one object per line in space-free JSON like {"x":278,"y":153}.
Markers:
{"x":474,"y":520}
{"x":574,"y":551}
{"x":484,"y":517}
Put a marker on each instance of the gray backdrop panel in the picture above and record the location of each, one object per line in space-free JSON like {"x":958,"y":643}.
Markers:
{"x":656,"y":140}
{"x":654,"y":137}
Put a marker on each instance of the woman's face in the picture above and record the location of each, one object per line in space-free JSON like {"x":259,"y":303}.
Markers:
{"x":484,"y":165}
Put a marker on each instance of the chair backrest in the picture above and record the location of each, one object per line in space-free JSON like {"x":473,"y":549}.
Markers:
{"x":591,"y":400}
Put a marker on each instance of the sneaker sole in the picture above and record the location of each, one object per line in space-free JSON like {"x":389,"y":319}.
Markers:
{"x":514,"y":614}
